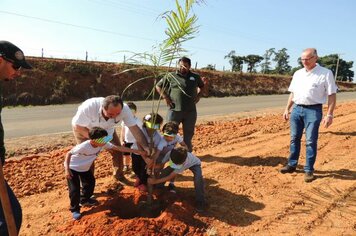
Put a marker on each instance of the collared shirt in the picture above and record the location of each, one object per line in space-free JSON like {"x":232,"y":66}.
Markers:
{"x":189,"y":162}
{"x":312,"y":87}
{"x":182,"y":89}
{"x":90,"y":115}
{"x":84,"y":154}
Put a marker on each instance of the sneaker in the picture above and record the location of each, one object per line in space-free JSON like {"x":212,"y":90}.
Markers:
{"x":172,"y":188}
{"x":142,"y":188}
{"x":308,"y":177}
{"x":76,"y":215}
{"x":89,"y":202}
{"x":288,"y":169}
{"x":137,"y":182}
{"x":200,"y":207}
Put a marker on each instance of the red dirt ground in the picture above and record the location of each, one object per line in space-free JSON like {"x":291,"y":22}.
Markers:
{"x":247,"y":195}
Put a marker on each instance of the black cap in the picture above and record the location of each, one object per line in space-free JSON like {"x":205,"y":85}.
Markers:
{"x":13,"y":54}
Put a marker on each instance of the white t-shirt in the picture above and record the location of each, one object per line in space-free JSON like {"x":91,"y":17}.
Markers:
{"x":312,"y":87}
{"x":89,"y":115}
{"x":168,"y":146}
{"x":84,"y":154}
{"x":129,"y":138}
{"x":189,"y":162}
{"x":157,"y":140}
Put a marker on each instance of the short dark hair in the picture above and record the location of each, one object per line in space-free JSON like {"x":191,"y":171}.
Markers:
{"x":97,"y":132}
{"x":170,"y":127}
{"x":179,"y":155}
{"x":186,"y":60}
{"x":132,"y":106}
{"x":154,"y":118}
{"x":115,"y":100}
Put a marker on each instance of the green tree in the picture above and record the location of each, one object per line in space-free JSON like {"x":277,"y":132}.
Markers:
{"x":236,"y":62}
{"x":282,"y":64}
{"x":252,"y":61}
{"x":266,"y":64}
{"x":209,"y":67}
{"x":344,"y":72}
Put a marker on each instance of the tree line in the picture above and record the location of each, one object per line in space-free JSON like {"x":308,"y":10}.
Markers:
{"x":277,"y":62}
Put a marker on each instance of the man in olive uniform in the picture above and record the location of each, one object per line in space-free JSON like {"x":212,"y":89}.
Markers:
{"x":181,"y":91}
{"x":12,"y":60}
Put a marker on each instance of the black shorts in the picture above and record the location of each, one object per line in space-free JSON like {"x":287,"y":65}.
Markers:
{"x":128,"y":145}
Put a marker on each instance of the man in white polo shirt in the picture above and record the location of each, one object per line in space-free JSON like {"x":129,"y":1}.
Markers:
{"x":311,"y":86}
{"x":106,"y":113}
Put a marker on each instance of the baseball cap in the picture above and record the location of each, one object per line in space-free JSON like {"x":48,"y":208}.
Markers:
{"x":12,"y":53}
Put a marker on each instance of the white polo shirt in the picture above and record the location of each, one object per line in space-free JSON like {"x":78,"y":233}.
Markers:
{"x":84,"y":154}
{"x":312,"y":87}
{"x":189,"y":162}
{"x":89,"y":115}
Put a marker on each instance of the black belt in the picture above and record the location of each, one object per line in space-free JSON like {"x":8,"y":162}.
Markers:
{"x":310,"y":106}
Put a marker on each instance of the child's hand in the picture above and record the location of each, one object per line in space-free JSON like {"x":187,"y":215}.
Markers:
{"x":151,"y":181}
{"x":149,"y":162}
{"x":68,"y":173}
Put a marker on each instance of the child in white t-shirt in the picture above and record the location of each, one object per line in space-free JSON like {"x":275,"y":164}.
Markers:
{"x":179,"y":160}
{"x":170,"y":139}
{"x":127,"y":139}
{"x":77,"y":168}
{"x":141,"y":165}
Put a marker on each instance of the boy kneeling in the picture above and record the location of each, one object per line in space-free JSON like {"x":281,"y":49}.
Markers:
{"x":179,"y":160}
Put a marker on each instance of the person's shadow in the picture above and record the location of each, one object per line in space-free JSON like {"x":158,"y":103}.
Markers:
{"x":340,"y":133}
{"x":345,"y":174}
{"x":246,"y":161}
{"x":233,"y":209}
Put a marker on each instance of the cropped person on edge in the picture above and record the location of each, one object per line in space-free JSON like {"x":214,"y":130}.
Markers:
{"x":12,"y":60}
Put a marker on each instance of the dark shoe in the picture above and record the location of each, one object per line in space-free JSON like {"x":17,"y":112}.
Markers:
{"x":308,"y":177}
{"x":172,"y":188}
{"x":287,"y":169}
{"x":89,"y":202}
{"x":76,"y":215}
{"x":200,"y":207}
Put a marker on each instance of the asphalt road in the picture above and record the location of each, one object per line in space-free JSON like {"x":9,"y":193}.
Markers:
{"x":37,"y":120}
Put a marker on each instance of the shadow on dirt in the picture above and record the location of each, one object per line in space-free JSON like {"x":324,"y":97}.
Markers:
{"x":341,"y":133}
{"x":246,"y":161}
{"x":345,"y":174}
{"x":223,"y":205}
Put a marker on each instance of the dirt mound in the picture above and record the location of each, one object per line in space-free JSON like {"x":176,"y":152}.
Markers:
{"x":246,"y":193}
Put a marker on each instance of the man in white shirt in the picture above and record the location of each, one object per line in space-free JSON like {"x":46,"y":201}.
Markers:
{"x":106,"y":113}
{"x":311,"y":86}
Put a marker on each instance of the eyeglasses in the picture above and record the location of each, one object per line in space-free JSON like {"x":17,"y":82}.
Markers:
{"x":307,"y":59}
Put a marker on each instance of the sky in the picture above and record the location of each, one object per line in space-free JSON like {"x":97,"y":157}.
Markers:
{"x":107,"y":28}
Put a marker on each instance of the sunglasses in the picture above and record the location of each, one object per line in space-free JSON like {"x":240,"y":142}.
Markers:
{"x":150,"y":125}
{"x":175,"y":166}
{"x":14,"y":66}
{"x":169,"y":134}
{"x":103,"y":140}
